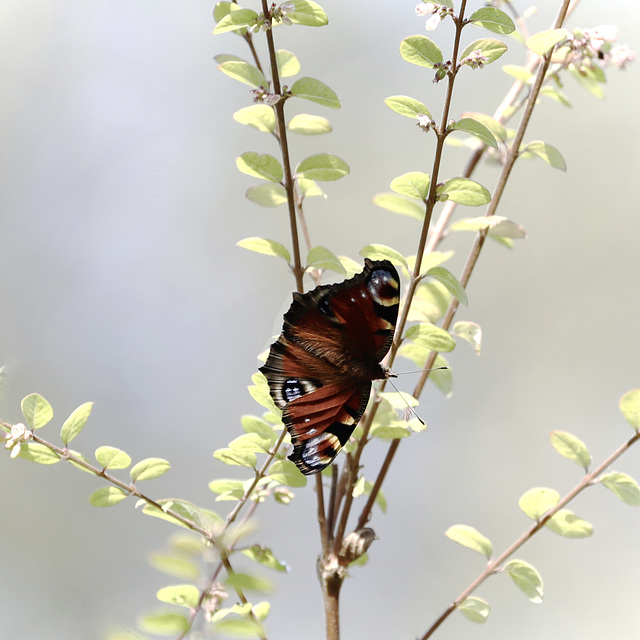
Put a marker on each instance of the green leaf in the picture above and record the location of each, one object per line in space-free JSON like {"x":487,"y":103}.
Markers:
{"x":431,"y":337}
{"x":414,"y":184}
{"x":623,"y":486}
{"x":421,"y":51}
{"x":555,"y":94}
{"x":544,"y":41}
{"x":475,"y":609}
{"x":450,"y":282}
{"x":228,"y":488}
{"x":259,"y":116}
{"x":498,"y":226}
{"x":545,"y":152}
{"x":261,"y":610}
{"x":568,"y":525}
{"x":382,"y":252}
{"x":536,"y":502}
{"x":493,"y":20}
{"x":470,"y":332}
{"x":265,"y":557}
{"x":323,"y":167}
{"x":112,"y":458}
{"x":107,"y":496}
{"x":471,"y":538}
{"x":518,"y":72}
{"x":260,"y":393}
{"x":253,"y":424}
{"x":36,"y":410}
{"x":269,"y":194}
{"x":475,"y":128}
{"x":265,"y":246}
{"x":399,"y":204}
{"x":248,"y":582}
{"x":38,"y":453}
{"x":490,"y":48}
{"x":239,"y":458}
{"x":465,"y":191}
{"x":285,"y":472}
{"x":406,"y":106}
{"x":239,"y":628}
{"x":75,"y":464}
{"x":309,"y":125}
{"x":288,"y":64}
{"x":227,"y":57}
{"x":251,"y":442}
{"x":149,"y":469}
{"x":526,"y":578}
{"x":164,"y":623}
{"x":399,"y":399}
{"x":307,"y":13}
{"x":174,"y":566}
{"x":309,"y":188}
{"x":384,"y":432}
{"x":567,"y":445}
{"x":321,"y":258}
{"x":263,"y":166}
{"x":316,"y":91}
{"x":74,"y":424}
{"x":184,"y":595}
{"x":236,"y":20}
{"x":243,"y":72}
{"x":630,"y":407}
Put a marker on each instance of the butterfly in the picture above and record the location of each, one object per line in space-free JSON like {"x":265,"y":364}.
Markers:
{"x":320,"y":368}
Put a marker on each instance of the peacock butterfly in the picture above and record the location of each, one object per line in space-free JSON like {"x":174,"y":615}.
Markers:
{"x":320,"y":368}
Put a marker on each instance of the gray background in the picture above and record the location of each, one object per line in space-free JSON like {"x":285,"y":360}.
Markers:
{"x":121,"y":284}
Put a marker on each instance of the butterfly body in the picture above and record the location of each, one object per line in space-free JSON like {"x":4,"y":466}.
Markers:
{"x":321,"y":367}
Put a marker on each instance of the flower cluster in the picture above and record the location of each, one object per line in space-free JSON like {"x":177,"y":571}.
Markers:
{"x":475,"y":60}
{"x":598,"y":43}
{"x":263,"y":96}
{"x":437,"y":12}
{"x":18,"y":434}
{"x":277,"y":15}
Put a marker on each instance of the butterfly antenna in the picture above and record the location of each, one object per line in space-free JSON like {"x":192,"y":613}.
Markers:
{"x":404,"y":373}
{"x":410,"y":409}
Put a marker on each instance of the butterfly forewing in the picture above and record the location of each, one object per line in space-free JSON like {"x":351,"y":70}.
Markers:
{"x":321,"y":367}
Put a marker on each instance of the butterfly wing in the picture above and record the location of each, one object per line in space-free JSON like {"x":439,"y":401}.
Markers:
{"x":321,"y":367}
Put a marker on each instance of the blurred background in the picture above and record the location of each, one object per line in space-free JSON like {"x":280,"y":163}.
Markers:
{"x":121,"y":284}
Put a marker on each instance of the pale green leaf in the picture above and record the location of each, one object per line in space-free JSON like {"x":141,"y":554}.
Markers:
{"x":184,"y":595}
{"x":149,"y":469}
{"x":471,"y":538}
{"x":238,"y":458}
{"x":571,"y":447}
{"x":309,"y":188}
{"x":265,"y":557}
{"x":307,"y":13}
{"x":263,"y":166}
{"x":288,"y":64}
{"x":399,"y":399}
{"x":536,"y":502}
{"x":321,"y":258}
{"x":555,"y":94}
{"x":399,"y":204}
{"x":545,"y":152}
{"x":164,"y":623}
{"x":259,"y":116}
{"x":490,"y":48}
{"x":544,"y":41}
{"x":323,"y":167}
{"x":248,"y":582}
{"x":568,"y":525}
{"x":36,"y":410}
{"x":268,"y":194}
{"x":112,"y":458}
{"x":285,"y":472}
{"x":228,"y":488}
{"x":431,"y":337}
{"x":623,"y":486}
{"x":470,"y":332}
{"x":496,"y":128}
{"x":382,"y":252}
{"x":450,"y":282}
{"x":518,"y":72}
{"x":414,"y":184}
{"x":630,"y":408}
{"x":250,"y":442}
{"x":236,"y":20}
{"x":265,"y":246}
{"x":243,"y":72}
{"x":475,"y":609}
{"x":227,"y":57}
{"x":38,"y":453}
{"x":175,"y":566}
{"x":406,"y":106}
{"x":253,"y":424}
{"x":526,"y":578}
{"x":309,"y":125}
{"x":384,"y":432}
{"x":464,"y":191}
{"x":493,"y":20}
{"x":75,"y":464}
{"x":421,"y":51}
{"x":316,"y":91}
{"x":239,"y":628}
{"x":498,"y":226}
{"x":261,"y":610}
{"x":259,"y":391}
{"x":475,"y":128}
{"x":107,"y":496}
{"x":74,"y":424}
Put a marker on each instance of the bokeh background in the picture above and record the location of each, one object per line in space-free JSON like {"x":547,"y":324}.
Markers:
{"x":121,"y":283}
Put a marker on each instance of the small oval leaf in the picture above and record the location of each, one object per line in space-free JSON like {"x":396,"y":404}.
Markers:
{"x":243,"y":72}
{"x":239,"y":458}
{"x":475,"y":128}
{"x":545,"y":152}
{"x":324,"y":167}
{"x":74,"y":424}
{"x":184,"y":595}
{"x":259,"y":116}
{"x":571,"y":447}
{"x":406,"y":106}
{"x":316,"y":91}
{"x":526,"y":578}
{"x":630,"y":408}
{"x":475,"y":609}
{"x":265,"y":246}
{"x":623,"y":486}
{"x":309,"y":125}
{"x":285,"y":472}
{"x":383,"y":252}
{"x":450,"y":282}
{"x":493,"y":20}
{"x":269,"y":194}
{"x":149,"y":469}
{"x":38,"y":453}
{"x":36,"y":410}
{"x":112,"y":458}
{"x":567,"y":524}
{"x":471,"y":538}
{"x":263,"y":166}
{"x":465,"y":191}
{"x":107,"y":496}
{"x":544,"y":41}
{"x":536,"y":502}
{"x":431,"y":337}
{"x":321,"y":258}
{"x":414,"y":184}
{"x":421,"y":51}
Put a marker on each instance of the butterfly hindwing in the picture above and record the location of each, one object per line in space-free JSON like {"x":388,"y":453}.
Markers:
{"x":321,"y":367}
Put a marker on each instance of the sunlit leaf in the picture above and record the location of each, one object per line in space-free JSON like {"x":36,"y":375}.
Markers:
{"x":184,"y":595}
{"x":544,"y":41}
{"x":259,"y":116}
{"x":316,"y":91}
{"x":450,"y":282}
{"x":536,"y":502}
{"x":623,"y":486}
{"x":38,"y":453}
{"x":265,"y":246}
{"x":149,"y":469}
{"x":285,"y":472}
{"x":493,"y":20}
{"x":382,"y":252}
{"x":630,"y":407}
{"x":526,"y":578}
{"x":323,"y":167}
{"x":309,"y":125}
{"x":571,"y":447}
{"x":36,"y":410}
{"x":399,"y":204}
{"x":471,"y":538}
{"x":567,"y":524}
{"x":74,"y":424}
{"x":421,"y":51}
{"x":475,"y":609}
{"x":263,"y":166}
{"x":406,"y":106}
{"x":414,"y":184}
{"x":112,"y":458}
{"x":107,"y":496}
